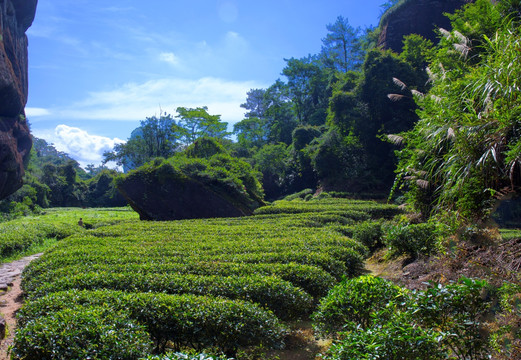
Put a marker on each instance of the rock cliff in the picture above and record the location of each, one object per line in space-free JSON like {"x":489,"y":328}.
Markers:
{"x":415,"y":17}
{"x":15,"y":143}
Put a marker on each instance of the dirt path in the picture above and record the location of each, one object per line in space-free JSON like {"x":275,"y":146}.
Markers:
{"x":11,"y":298}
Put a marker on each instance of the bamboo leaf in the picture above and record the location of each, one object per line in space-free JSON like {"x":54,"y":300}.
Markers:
{"x":399,"y":83}
{"x":395,"y":97}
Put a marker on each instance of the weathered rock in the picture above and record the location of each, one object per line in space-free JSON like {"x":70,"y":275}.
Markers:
{"x":416,"y":17}
{"x":165,"y":193}
{"x":15,"y":143}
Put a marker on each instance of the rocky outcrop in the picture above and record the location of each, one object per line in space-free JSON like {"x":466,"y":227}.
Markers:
{"x":15,"y":143}
{"x":163,"y":191}
{"x":177,"y":198}
{"x":415,"y":17}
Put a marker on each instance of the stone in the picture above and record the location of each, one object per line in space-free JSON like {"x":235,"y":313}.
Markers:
{"x":167,"y":194}
{"x":16,"y":16}
{"x":177,"y":200}
{"x":420,"y":17}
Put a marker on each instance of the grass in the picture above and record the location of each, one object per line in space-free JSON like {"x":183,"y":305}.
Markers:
{"x":509,"y":234}
{"x":35,"y":248}
{"x":33,"y":234}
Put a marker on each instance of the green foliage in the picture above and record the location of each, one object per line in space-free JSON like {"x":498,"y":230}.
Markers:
{"x":162,"y":137}
{"x":22,"y":233}
{"x":196,"y":123}
{"x":458,"y":312}
{"x":184,"y":320}
{"x":101,"y":191}
{"x":358,"y":210}
{"x":505,"y":336}
{"x":300,"y":195}
{"x":156,"y":273}
{"x":308,"y":88}
{"x":464,"y":152}
{"x":417,"y":51}
{"x":251,"y":132}
{"x":414,"y":240}
{"x":271,"y":161}
{"x":204,"y":148}
{"x":230,"y":177}
{"x":381,"y":320}
{"x":340,"y":160}
{"x":312,"y":279}
{"x":281,"y":297}
{"x":369,"y":233}
{"x":186,"y":356}
{"x":156,"y":137}
{"x":91,"y":332}
{"x":303,"y":135}
{"x":354,"y":303}
{"x":395,"y":339}
{"x":342,"y":46}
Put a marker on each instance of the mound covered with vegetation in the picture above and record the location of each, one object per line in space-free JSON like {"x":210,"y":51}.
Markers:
{"x":204,"y":181}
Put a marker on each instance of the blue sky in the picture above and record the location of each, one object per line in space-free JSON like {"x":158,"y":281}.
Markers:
{"x":97,"y":67}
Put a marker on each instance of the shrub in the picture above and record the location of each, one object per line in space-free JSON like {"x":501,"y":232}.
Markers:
{"x":184,"y":320}
{"x":506,"y":334}
{"x":312,"y":279}
{"x":370,"y":234}
{"x":281,"y":297}
{"x":300,"y":195}
{"x":458,"y":311}
{"x":353,"y":303}
{"x":411,"y":239}
{"x":82,"y":333}
{"x":397,"y":339}
{"x":186,"y":356}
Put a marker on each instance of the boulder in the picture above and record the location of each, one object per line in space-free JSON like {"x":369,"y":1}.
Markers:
{"x":420,"y":17}
{"x":166,"y":192}
{"x":177,"y":198}
{"x":15,"y":143}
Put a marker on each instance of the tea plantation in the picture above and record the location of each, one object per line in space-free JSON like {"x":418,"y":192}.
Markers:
{"x":131,"y":289}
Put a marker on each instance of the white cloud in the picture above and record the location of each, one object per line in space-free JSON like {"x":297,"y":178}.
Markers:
{"x":34,"y":111}
{"x":136,"y":101}
{"x":169,"y":58}
{"x":79,"y":144}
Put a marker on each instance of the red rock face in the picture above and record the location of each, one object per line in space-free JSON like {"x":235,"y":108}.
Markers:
{"x":15,"y":143}
{"x":416,"y":17}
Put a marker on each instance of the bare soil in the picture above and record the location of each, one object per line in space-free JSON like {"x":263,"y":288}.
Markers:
{"x":11,"y":300}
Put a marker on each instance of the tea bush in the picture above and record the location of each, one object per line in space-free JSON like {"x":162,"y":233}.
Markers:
{"x":412,"y":239}
{"x":458,"y":310}
{"x":286,"y":301}
{"x":90,"y":332}
{"x":369,"y":233}
{"x":396,"y":339}
{"x":377,"y":320}
{"x":313,"y":280}
{"x":201,"y":284}
{"x":354,"y":302}
{"x":185,"y":356}
{"x":183,"y":320}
